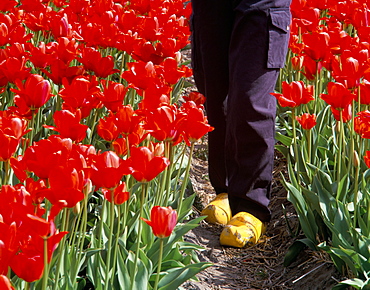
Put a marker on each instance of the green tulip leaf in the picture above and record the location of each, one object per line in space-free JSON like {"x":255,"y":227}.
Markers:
{"x":172,"y":280}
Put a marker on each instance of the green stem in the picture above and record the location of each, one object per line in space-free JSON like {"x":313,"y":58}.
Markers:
{"x":61,"y":247}
{"x":169,"y":149}
{"x":340,"y":153}
{"x":46,"y":266}
{"x":159,"y":264}
{"x":295,"y":147}
{"x":115,"y":247}
{"x":185,"y":180}
{"x":7,"y":172}
{"x":32,"y":132}
{"x":111,"y":225}
{"x":309,"y":140}
{"x":144,"y":189}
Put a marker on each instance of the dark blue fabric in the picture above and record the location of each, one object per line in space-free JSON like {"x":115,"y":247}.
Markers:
{"x":237,"y":50}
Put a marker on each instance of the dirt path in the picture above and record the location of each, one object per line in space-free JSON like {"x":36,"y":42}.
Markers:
{"x":259,"y":267}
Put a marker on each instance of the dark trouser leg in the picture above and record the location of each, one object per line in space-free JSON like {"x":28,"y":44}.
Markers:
{"x":251,"y":109}
{"x":231,"y":57}
{"x":212,"y":23}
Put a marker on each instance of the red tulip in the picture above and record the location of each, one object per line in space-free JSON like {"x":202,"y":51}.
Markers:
{"x":194,"y":124}
{"x":5,"y":283}
{"x":339,"y":97}
{"x":42,"y":157}
{"x":108,"y":169}
{"x":12,"y":128}
{"x":101,"y":66}
{"x":163,"y":123}
{"x":198,"y":98}
{"x":294,"y":94}
{"x":35,"y":92}
{"x":367,"y":159}
{"x":346,"y":113}
{"x":14,"y":68}
{"x":66,"y":184}
{"x":107,"y":128}
{"x":113,"y":96}
{"x":146,"y":166}
{"x":171,"y":72}
{"x":307,"y":121}
{"x":81,"y":94}
{"x":347,"y":70}
{"x":120,"y":194}
{"x":5,"y":6}
{"x":311,"y":68}
{"x":68,"y":125}
{"x":362,"y":124}
{"x":127,"y":120}
{"x":162,"y":220}
{"x":365,"y":92}
{"x":316,"y":45}
{"x":60,"y":70}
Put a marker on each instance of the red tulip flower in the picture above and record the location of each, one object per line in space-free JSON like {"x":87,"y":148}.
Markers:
{"x":42,"y":157}
{"x":294,"y":94}
{"x":120,"y":194}
{"x":307,"y":121}
{"x":108,"y":169}
{"x":14,"y":68}
{"x":162,"y":220}
{"x":5,"y":6}
{"x":66,"y":185}
{"x":146,"y":166}
{"x":163,"y":123}
{"x":367,"y":158}
{"x":60,"y":70}
{"x":171,"y":72}
{"x":68,"y":125}
{"x":35,"y":92}
{"x":339,"y":97}
{"x":346,"y":113}
{"x":198,"y":98}
{"x":107,"y":128}
{"x":12,"y":128}
{"x":347,"y":70}
{"x":101,"y":66}
{"x":365,"y":92}
{"x":194,"y":124}
{"x":316,"y":45}
{"x":5,"y":283}
{"x":127,"y":121}
{"x":81,"y":93}
{"x":113,"y":95}
{"x":362,"y":124}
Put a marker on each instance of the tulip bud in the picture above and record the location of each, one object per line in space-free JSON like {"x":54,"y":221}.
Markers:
{"x":337,"y":127}
{"x":77,"y":208}
{"x":178,"y":56}
{"x":163,"y":220}
{"x":356,"y":159}
{"x":88,"y":187}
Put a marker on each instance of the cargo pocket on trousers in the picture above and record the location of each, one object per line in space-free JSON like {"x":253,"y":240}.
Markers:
{"x":278,"y":37}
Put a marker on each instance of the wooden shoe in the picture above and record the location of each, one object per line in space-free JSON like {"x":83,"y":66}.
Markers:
{"x":243,"y":230}
{"x":218,"y":210}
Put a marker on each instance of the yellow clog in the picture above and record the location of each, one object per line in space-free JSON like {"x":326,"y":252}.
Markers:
{"x":243,"y":230}
{"x":218,"y":210}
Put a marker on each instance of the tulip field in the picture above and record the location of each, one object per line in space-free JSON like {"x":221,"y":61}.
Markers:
{"x":94,"y":145}
{"x":97,"y":135}
{"x":323,"y":129}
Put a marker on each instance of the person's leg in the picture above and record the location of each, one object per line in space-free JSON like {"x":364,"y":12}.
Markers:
{"x":257,"y":50}
{"x":211,"y":30}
